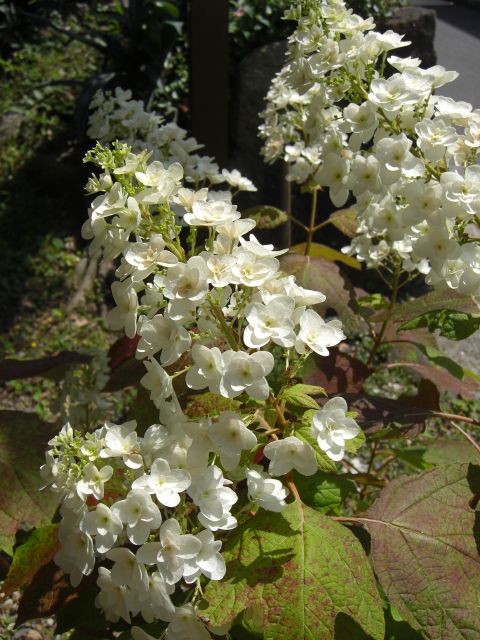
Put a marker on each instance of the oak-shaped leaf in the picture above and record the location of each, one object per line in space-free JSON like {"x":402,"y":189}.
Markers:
{"x":23,"y":440}
{"x":425,"y":550}
{"x":302,"y":569}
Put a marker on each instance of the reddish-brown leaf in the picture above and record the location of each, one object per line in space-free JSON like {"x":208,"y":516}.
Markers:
{"x":404,"y":342}
{"x":337,"y":373}
{"x":23,"y":439}
{"x":377,"y":413}
{"x":428,"y":397}
{"x":122,"y":349}
{"x":444,"y":380}
{"x":425,"y":550}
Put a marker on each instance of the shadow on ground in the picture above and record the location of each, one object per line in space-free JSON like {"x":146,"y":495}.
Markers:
{"x":45,"y":197}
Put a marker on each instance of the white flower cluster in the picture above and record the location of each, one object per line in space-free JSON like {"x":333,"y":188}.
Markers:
{"x":206,"y":309}
{"x":117,"y":117}
{"x":346,"y":114}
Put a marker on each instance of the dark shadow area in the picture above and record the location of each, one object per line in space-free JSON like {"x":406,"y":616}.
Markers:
{"x":271,"y":566}
{"x":45,"y":196}
{"x":473,"y":478}
{"x":347,"y":629}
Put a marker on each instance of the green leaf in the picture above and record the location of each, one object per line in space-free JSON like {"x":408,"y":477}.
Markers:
{"x":310,"y":389}
{"x":302,"y":569}
{"x":375,"y":301}
{"x":324,"y":463}
{"x":266,"y":217}
{"x":296,"y":396}
{"x":425,"y":539}
{"x":38,"y":550}
{"x":322,"y":251}
{"x":433,"y":301}
{"x":23,"y":440}
{"x":325,"y":492}
{"x":414,"y":456}
{"x":353,"y":445}
{"x":398,"y":629}
{"x":441,"y":451}
{"x":454,"y":325}
{"x":441,"y":360}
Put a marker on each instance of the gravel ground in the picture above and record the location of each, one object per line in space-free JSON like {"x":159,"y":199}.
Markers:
{"x":40,"y":629}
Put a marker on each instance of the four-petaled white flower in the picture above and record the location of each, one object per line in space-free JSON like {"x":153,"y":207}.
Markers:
{"x":104,"y":524}
{"x":165,"y":483}
{"x":290,"y":453}
{"x":230,"y":437}
{"x":163,"y":333}
{"x":268,"y":493}
{"x":208,"y":561}
{"x":332,"y":427}
{"x":171,"y":552}
{"x":317,"y":334}
{"x":246,"y":372}
{"x":139,"y":513}
{"x":93,"y":480}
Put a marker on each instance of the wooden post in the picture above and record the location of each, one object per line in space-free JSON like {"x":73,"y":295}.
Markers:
{"x":208,"y":27}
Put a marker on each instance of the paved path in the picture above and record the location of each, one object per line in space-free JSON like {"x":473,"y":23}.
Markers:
{"x":457,"y":44}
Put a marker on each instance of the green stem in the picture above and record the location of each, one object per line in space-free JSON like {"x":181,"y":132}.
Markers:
{"x":178,"y":253}
{"x":225,"y":327}
{"x":311,"y":226}
{"x":192,"y":239}
{"x":289,"y":212}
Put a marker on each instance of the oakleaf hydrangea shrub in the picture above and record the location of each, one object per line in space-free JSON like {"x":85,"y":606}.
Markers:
{"x":347,"y":114}
{"x":208,"y":310}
